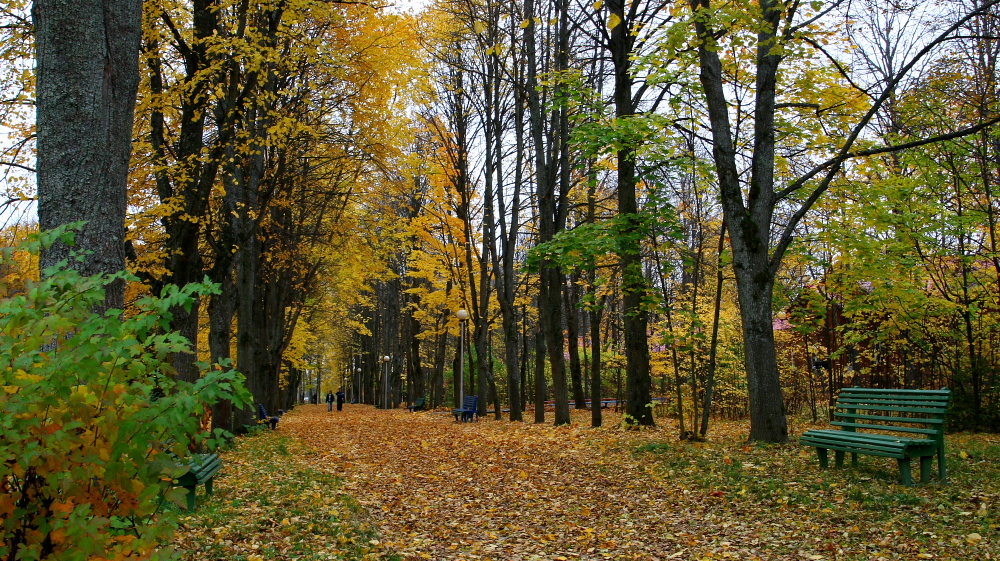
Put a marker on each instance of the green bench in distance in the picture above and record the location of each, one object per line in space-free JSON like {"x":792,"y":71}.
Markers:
{"x":915,"y":419}
{"x":418,"y":404}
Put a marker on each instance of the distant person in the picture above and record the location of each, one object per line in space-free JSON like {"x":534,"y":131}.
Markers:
{"x":340,"y":399}
{"x":329,"y":401}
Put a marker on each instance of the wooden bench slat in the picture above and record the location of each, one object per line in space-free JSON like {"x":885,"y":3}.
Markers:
{"x":865,"y":435}
{"x":885,"y":446}
{"x":914,"y":420}
{"x":917,"y":394}
{"x":896,"y":406}
{"x":889,"y":400}
{"x":913,"y":430}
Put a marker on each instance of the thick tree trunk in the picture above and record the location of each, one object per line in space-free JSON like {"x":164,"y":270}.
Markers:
{"x":221,"y":309}
{"x":767,"y":407}
{"x":88,"y":72}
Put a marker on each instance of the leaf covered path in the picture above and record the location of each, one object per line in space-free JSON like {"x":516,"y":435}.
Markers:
{"x":498,"y":490}
{"x":511,"y":491}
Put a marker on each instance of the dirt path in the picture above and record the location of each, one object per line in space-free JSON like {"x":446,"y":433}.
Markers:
{"x":511,"y":491}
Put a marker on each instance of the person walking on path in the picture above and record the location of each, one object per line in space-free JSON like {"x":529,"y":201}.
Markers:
{"x":329,"y":402}
{"x":340,"y":399}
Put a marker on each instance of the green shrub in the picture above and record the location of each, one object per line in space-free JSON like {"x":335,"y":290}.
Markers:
{"x":83,"y":468}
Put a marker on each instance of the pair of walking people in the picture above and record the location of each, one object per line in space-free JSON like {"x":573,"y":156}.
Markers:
{"x":339,"y":398}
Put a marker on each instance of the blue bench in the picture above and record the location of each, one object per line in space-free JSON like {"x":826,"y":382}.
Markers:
{"x":263,"y":417}
{"x":418,"y":404}
{"x":468,"y":411}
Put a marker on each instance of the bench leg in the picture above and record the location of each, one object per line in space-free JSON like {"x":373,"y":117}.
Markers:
{"x":190,"y":497}
{"x":839,"y":455}
{"x":208,"y":487}
{"x":905,"y":474}
{"x":824,"y":461}
{"x":854,"y":459}
{"x":942,"y":472}
{"x":925,"y":468}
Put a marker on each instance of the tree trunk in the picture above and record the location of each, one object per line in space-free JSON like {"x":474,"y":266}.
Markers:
{"x":634,"y":284}
{"x":706,"y":408}
{"x":572,"y":300}
{"x":87,"y":56}
{"x":540,"y":389}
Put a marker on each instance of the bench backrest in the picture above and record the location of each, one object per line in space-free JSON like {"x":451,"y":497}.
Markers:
{"x":420,"y":401}
{"x":469,"y":402}
{"x":914,"y":412}
{"x":261,"y":412}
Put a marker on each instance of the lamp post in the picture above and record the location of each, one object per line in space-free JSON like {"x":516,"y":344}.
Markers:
{"x":463,"y":317}
{"x":356,"y":386}
{"x":385,"y":383}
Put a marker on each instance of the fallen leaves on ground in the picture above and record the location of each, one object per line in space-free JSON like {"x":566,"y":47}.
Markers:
{"x":516,"y":491}
{"x":441,"y":490}
{"x":274,"y":500}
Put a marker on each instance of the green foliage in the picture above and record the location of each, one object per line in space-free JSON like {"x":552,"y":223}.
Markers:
{"x":84,"y":468}
{"x":583,"y":246}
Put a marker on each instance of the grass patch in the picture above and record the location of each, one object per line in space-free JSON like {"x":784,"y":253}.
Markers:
{"x":849,"y":512}
{"x":271,"y":503}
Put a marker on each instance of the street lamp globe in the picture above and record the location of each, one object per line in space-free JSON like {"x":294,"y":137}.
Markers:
{"x":385,"y":358}
{"x":462,"y":314}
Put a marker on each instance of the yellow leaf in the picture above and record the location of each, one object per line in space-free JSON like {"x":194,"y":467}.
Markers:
{"x":598,"y":4}
{"x":613,"y":21}
{"x":525,"y":23}
{"x":479,"y":27}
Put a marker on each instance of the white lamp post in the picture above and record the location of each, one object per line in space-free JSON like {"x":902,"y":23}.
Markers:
{"x":385,"y":384}
{"x":356,"y":386}
{"x":463,"y":317}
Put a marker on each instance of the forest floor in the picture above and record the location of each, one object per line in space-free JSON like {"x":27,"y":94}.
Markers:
{"x":372,"y":484}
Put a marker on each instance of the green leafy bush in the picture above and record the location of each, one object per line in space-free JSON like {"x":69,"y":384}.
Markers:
{"x":84,"y":465}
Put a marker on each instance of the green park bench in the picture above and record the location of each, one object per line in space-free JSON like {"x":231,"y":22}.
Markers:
{"x":915,"y":419}
{"x":201,"y":470}
{"x":418,"y":404}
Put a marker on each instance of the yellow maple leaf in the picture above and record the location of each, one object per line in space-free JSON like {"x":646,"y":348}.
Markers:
{"x":613,"y":21}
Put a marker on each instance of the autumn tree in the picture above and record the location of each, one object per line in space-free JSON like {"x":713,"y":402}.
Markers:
{"x":760,"y":235}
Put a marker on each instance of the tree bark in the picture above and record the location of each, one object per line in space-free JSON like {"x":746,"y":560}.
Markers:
{"x":87,"y":55}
